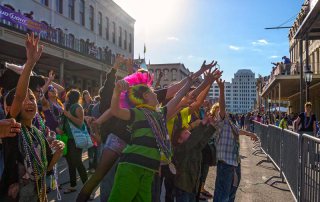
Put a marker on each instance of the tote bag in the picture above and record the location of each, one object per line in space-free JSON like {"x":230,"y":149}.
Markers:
{"x":81,"y":136}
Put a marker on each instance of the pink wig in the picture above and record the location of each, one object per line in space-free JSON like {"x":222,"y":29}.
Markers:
{"x":139,"y":77}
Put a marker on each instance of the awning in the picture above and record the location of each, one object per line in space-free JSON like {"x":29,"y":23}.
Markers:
{"x":289,"y":86}
{"x":310,"y":25}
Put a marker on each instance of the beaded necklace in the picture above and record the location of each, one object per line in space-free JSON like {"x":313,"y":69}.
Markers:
{"x":37,"y":160}
{"x":37,"y":121}
{"x":160,"y":131}
{"x":306,"y":125}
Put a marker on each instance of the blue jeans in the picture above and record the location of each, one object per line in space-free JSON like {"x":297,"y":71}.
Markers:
{"x":225,"y":187}
{"x":182,"y":196}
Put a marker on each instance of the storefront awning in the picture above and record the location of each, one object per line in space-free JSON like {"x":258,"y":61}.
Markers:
{"x":310,"y":25}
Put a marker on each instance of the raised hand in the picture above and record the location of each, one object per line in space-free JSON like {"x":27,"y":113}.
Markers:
{"x":121,"y":85}
{"x":220,"y":83}
{"x":129,"y":65}
{"x":205,"y":67}
{"x":33,"y":50}
{"x":9,"y":128}
{"x":118,"y":62}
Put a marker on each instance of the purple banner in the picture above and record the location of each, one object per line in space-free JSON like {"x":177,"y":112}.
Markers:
{"x":21,"y":20}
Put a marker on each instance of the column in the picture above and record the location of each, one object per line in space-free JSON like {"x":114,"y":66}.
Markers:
{"x":61,"y":73}
{"x":101,"y":78}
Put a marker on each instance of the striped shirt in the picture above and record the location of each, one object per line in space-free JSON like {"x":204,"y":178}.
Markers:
{"x":143,"y":150}
{"x":226,"y":143}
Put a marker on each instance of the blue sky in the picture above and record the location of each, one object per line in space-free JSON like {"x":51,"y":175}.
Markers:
{"x":231,"y":32}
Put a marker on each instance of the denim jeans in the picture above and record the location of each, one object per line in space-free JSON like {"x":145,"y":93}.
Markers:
{"x":226,"y":187}
{"x":182,"y":196}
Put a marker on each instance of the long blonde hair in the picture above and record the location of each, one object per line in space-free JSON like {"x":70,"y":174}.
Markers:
{"x":214,"y":108}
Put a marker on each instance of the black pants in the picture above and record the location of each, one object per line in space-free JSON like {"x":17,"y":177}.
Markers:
{"x":93,"y":157}
{"x":168,"y":178}
{"x":74,"y":160}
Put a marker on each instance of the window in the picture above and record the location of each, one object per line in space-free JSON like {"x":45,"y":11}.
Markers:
{"x":165,"y":76}
{"x":100,"y":23}
{"x":130,"y":43}
{"x":59,"y":6}
{"x":71,"y":41}
{"x":114,"y":32}
{"x":120,"y":37}
{"x":107,"y":28}
{"x":71,"y":9}
{"x":174,"y":75}
{"x":125,"y":39}
{"x":45,"y":2}
{"x":91,"y":18}
{"x":81,"y":11}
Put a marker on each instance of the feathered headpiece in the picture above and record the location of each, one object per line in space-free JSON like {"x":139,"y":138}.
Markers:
{"x":127,"y":99}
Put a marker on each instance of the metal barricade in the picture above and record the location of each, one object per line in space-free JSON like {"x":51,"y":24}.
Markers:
{"x":264,"y":137}
{"x":310,"y":168}
{"x":290,"y":160}
{"x":274,"y":144}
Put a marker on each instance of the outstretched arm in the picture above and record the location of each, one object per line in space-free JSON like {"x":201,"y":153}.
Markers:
{"x":171,"y":106}
{"x":33,"y":54}
{"x":175,"y":88}
{"x":222,"y":104}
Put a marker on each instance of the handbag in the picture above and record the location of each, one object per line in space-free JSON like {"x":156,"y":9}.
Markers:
{"x":80,"y":136}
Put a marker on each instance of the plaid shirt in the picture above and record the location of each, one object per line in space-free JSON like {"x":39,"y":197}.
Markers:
{"x":226,"y":143}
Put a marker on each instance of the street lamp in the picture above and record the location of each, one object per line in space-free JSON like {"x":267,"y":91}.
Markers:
{"x":308,"y":79}
{"x":269,"y":102}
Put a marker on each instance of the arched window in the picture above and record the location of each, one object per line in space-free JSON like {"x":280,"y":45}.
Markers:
{"x":71,"y":9}
{"x":91,"y":18}
{"x":165,"y":75}
{"x":59,"y":6}
{"x":100,"y":23}
{"x":71,"y":41}
{"x":174,"y":74}
{"x":82,"y":12}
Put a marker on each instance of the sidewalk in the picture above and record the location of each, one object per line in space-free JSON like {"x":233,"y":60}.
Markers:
{"x":260,"y":180}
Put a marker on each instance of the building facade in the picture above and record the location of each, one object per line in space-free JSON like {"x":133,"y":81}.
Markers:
{"x":294,"y":88}
{"x":81,"y":37}
{"x":240,"y":94}
{"x":172,"y":73}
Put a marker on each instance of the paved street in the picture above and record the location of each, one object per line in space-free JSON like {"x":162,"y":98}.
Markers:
{"x":258,"y":183}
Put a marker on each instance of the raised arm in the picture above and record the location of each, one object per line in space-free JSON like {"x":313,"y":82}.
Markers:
{"x":222,"y":104}
{"x":116,"y":110}
{"x":175,"y":88}
{"x":33,"y":54}
{"x":108,"y":87}
{"x":171,"y":106}
{"x":200,"y":99}
{"x":104,"y":117}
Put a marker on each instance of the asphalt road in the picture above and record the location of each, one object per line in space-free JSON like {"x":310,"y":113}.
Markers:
{"x":260,"y":180}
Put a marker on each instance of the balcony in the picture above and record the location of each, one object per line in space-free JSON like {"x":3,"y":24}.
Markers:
{"x":58,"y":37}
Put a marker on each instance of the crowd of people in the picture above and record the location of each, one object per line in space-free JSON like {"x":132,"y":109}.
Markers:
{"x":137,"y":137}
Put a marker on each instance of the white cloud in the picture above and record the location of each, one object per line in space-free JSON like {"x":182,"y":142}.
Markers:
{"x":172,"y":38}
{"x":236,"y":48}
{"x":274,"y":56}
{"x":190,"y":56}
{"x":261,"y":42}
